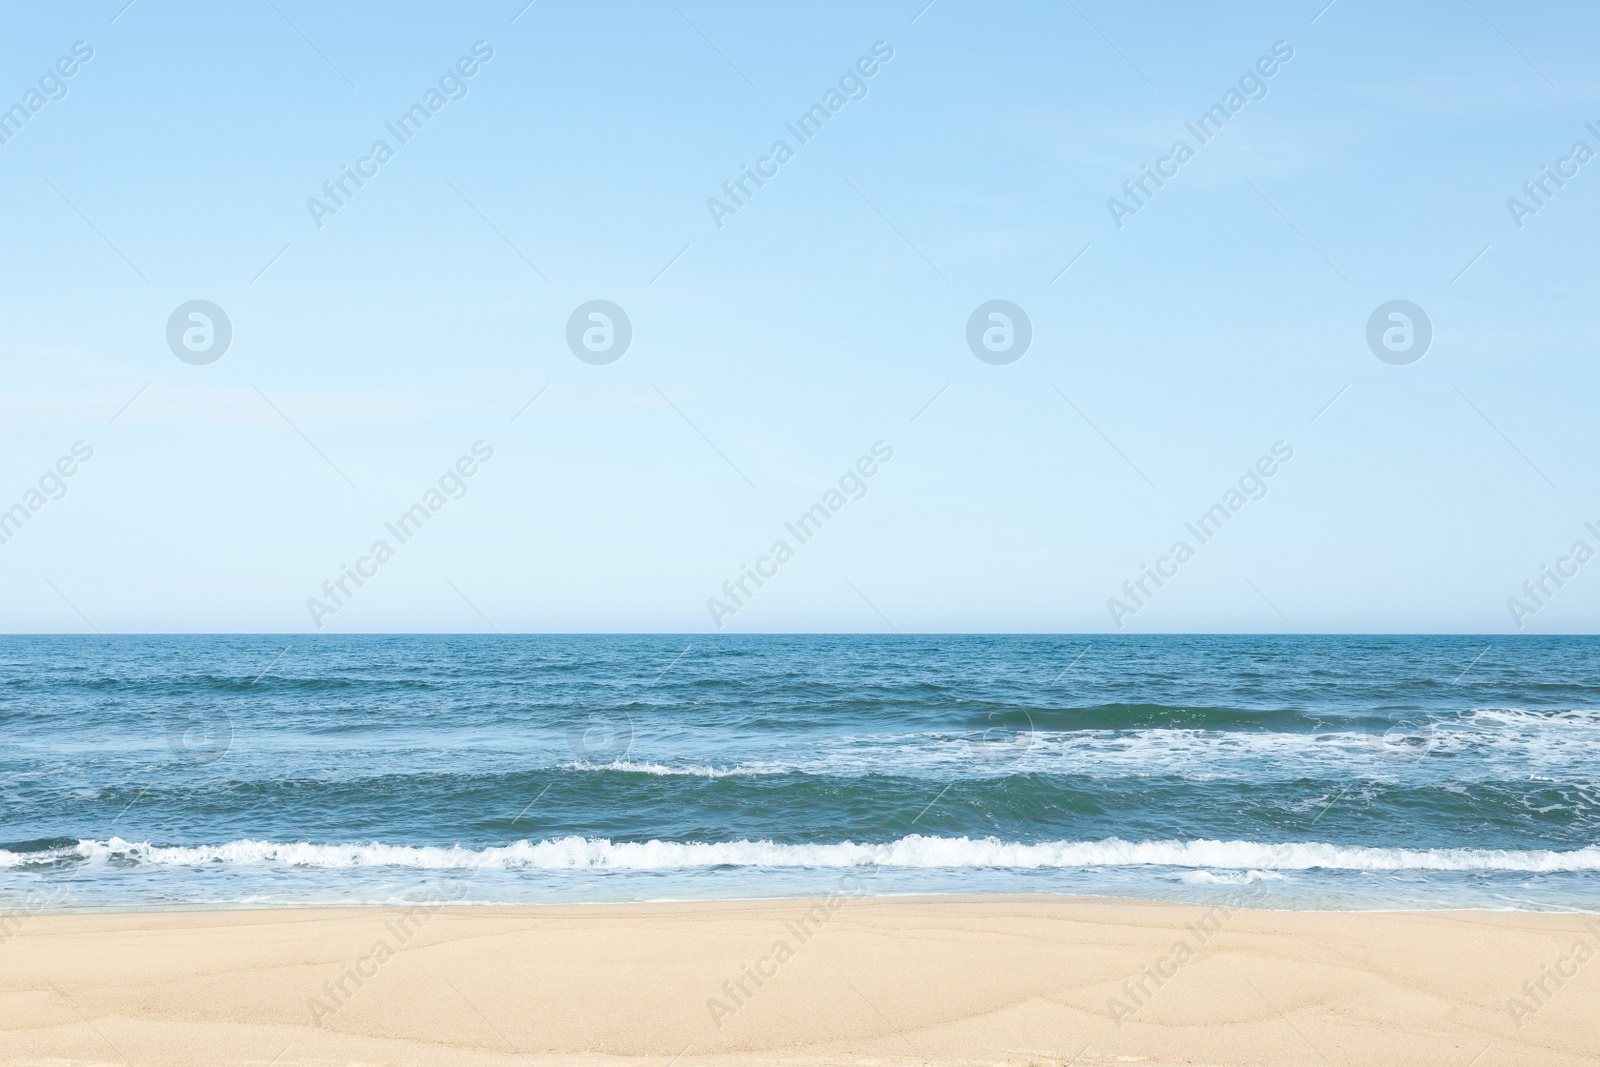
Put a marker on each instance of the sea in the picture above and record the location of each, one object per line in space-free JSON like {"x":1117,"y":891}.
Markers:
{"x":1294,"y":772}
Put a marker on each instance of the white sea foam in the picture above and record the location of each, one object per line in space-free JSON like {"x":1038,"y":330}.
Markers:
{"x":1525,"y":718}
{"x":692,"y":770}
{"x":1480,"y":743}
{"x":913,"y":852}
{"x":1229,"y":877}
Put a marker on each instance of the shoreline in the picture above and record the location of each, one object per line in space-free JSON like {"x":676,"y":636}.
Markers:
{"x":183,"y":908}
{"x":896,"y":979}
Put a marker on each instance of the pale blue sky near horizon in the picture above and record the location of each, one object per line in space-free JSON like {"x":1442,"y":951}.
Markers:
{"x":768,"y":355}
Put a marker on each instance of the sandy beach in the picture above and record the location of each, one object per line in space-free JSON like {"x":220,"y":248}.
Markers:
{"x":1025,"y":980}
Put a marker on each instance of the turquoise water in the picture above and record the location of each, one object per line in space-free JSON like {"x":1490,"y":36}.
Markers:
{"x":1282,"y":772}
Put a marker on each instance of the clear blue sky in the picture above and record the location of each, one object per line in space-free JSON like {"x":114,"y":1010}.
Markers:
{"x":576,"y":164}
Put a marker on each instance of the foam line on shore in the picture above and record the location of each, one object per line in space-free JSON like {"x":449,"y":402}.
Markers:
{"x":912,"y":852}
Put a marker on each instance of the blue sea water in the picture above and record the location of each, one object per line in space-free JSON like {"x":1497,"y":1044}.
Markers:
{"x":1323,"y":771}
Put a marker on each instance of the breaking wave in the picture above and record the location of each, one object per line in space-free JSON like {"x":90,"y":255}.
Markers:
{"x":1254,"y":859}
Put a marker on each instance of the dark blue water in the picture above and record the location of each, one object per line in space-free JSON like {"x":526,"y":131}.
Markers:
{"x":1317,"y":771}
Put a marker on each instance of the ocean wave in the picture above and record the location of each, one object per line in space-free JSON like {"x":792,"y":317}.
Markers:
{"x":1528,"y":718}
{"x":1480,"y":744}
{"x":1476,"y":747}
{"x":1152,"y":717}
{"x":662,"y":769}
{"x":913,"y":852}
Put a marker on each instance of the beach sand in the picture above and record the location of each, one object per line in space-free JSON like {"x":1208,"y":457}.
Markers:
{"x":1023,"y":980}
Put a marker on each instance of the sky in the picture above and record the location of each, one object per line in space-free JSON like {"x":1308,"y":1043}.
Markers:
{"x":785,"y":339}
